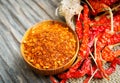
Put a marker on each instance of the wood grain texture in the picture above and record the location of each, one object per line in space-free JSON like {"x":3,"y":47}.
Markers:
{"x":16,"y":16}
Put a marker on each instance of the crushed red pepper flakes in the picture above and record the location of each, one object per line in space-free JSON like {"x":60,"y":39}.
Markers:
{"x":49,"y":46}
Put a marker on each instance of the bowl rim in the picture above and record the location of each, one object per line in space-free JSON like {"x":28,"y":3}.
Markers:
{"x":39,"y":23}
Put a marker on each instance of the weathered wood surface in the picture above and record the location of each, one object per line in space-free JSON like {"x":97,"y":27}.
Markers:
{"x":16,"y":16}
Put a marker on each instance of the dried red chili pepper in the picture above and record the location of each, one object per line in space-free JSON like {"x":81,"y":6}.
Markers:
{"x":104,"y":23}
{"x":96,"y":6}
{"x":108,"y":2}
{"x":87,"y":63}
{"x":79,"y":28}
{"x":79,"y":73}
{"x":100,"y":44}
{"x":101,"y":25}
{"x":99,"y":21}
{"x":63,"y":81}
{"x":116,"y":20}
{"x":53,"y":80}
{"x":97,"y":29}
{"x":102,"y":40}
{"x":112,"y":67}
{"x":97,"y":75}
{"x":117,"y":53}
{"x":108,"y":54}
{"x":84,"y":44}
{"x":109,"y":71}
{"x":93,"y":34}
{"x":86,"y":80}
{"x":76,"y":66}
{"x":118,"y":61}
{"x":114,"y":39}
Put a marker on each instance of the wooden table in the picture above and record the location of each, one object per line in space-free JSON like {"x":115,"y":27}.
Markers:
{"x":16,"y":16}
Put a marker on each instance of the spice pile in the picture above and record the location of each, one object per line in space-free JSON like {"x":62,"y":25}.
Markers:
{"x":98,"y":29}
{"x":49,"y":45}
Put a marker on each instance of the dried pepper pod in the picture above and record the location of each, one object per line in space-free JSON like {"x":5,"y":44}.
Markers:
{"x":109,"y":70}
{"x":79,"y":73}
{"x":85,"y":40}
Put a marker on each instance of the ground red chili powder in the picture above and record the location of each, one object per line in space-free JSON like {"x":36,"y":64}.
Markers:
{"x":49,"y":45}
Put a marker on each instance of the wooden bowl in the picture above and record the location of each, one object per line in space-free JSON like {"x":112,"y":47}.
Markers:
{"x":51,"y":71}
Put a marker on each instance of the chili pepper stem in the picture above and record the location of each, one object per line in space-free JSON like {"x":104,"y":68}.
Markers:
{"x":111,"y":16}
{"x":113,"y":9}
{"x":91,"y":69}
{"x":90,"y":5}
{"x":95,"y":43}
{"x":93,"y":75}
{"x":111,"y":46}
{"x":93,"y":57}
{"x":103,"y":61}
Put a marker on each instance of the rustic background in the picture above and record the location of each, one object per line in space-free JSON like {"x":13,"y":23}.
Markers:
{"x":16,"y":16}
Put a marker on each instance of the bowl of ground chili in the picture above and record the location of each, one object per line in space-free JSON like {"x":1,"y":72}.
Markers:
{"x":49,"y":47}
